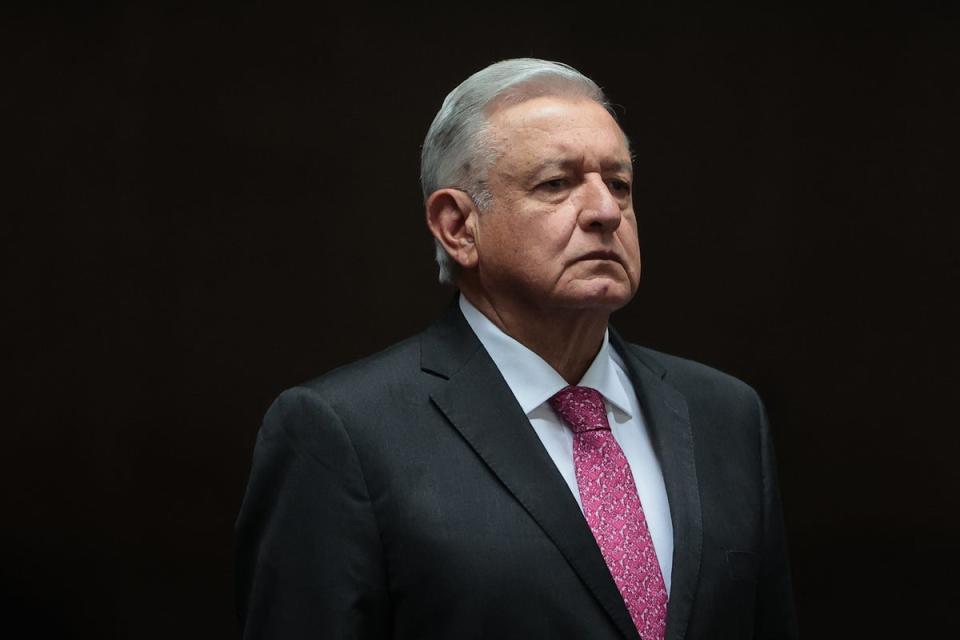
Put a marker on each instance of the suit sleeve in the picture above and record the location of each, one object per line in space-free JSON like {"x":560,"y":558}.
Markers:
{"x":308,"y":553}
{"x":776,"y":616}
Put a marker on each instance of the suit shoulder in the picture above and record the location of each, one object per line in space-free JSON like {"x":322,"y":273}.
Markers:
{"x":393,"y":365}
{"x":721,"y":407}
{"x":384,"y":381}
{"x":690,"y":374}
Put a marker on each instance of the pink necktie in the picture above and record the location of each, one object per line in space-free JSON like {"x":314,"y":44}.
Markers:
{"x":612,"y":508}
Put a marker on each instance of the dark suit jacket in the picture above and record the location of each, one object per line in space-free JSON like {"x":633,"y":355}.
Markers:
{"x":407,"y":496}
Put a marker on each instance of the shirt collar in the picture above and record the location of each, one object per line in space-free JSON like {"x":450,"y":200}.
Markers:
{"x":530,"y":378}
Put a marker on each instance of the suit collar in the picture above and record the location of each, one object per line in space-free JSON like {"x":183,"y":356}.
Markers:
{"x":479,"y":404}
{"x":531,"y":379}
{"x":448,"y":344}
{"x":668,"y":419}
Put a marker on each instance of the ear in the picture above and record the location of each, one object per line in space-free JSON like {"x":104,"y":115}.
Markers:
{"x":452,"y":217}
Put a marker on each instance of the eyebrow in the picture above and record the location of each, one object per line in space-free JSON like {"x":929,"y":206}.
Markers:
{"x":569,"y":163}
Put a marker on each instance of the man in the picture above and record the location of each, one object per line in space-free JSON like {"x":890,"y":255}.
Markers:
{"x":518,"y":470}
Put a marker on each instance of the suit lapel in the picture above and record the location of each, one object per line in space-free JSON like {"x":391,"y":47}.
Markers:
{"x":667,"y":417}
{"x":478,"y":403}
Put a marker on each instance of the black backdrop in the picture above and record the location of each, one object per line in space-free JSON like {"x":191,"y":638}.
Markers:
{"x":205,"y":205}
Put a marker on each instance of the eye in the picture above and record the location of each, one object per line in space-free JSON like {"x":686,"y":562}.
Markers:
{"x":556,"y":184}
{"x":619,"y":187}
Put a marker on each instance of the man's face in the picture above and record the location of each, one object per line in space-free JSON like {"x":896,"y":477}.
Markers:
{"x":560,"y":232}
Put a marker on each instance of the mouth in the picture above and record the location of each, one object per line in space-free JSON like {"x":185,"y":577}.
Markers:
{"x":601,"y":255}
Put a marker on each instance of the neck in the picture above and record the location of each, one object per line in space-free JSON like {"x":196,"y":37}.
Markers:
{"x":567,"y":340}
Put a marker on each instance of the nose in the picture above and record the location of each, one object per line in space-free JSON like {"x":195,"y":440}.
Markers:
{"x":599,"y":210}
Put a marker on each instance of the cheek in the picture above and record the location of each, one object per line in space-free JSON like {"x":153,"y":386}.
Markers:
{"x":631,"y":246}
{"x":514,"y":246}
{"x":540,"y":240}
{"x":628,"y":237}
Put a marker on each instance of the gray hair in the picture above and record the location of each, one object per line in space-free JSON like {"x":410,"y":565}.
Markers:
{"x":457,"y":151}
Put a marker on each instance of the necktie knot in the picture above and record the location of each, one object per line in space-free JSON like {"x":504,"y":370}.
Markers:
{"x":581,"y":408}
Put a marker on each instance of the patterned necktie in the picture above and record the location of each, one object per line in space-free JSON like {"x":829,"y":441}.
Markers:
{"x":612,"y":509}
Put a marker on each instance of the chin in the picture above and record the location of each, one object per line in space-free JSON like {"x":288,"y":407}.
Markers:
{"x":600,"y":294}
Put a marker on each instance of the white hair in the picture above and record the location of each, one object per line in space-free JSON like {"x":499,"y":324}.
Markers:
{"x":457,"y":151}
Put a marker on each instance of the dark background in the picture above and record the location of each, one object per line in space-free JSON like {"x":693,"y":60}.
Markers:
{"x":205,"y":205}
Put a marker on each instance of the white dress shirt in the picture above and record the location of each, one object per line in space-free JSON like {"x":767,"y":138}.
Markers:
{"x":533,"y":382}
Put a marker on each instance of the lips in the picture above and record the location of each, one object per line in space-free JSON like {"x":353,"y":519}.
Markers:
{"x":601,"y":255}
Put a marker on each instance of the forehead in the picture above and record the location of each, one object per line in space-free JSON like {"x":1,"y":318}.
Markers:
{"x":554,"y":128}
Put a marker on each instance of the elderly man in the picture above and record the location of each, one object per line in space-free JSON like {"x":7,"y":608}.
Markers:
{"x":518,"y":470}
